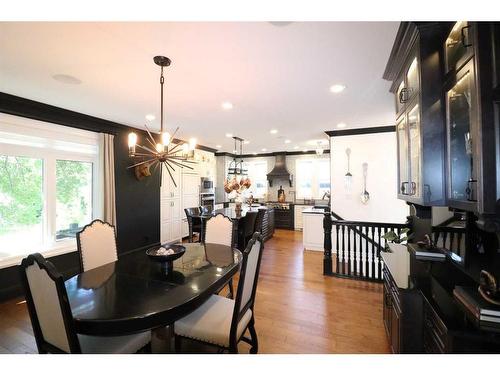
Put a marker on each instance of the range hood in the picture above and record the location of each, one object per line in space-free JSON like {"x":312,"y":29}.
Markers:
{"x":279,"y":171}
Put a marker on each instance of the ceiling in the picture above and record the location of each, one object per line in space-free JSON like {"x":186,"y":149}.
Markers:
{"x":276,"y":75}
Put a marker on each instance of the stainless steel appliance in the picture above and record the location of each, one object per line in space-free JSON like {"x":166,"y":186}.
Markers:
{"x":207,"y":186}
{"x":207,"y":200}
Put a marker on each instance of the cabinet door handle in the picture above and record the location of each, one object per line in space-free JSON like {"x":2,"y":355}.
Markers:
{"x":413,"y":188}
{"x":402,"y":98}
{"x":463,"y":37}
{"x":403,"y":189}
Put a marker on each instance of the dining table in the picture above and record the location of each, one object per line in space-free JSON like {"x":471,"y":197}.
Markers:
{"x":136,"y":294}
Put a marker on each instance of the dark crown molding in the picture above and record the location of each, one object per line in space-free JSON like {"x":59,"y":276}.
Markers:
{"x":287,"y":153}
{"x":360,"y":131}
{"x":22,"y":107}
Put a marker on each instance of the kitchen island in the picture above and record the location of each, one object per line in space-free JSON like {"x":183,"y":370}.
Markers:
{"x":312,"y":233}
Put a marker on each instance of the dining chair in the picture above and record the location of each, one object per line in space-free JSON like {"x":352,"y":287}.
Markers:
{"x":96,"y":244}
{"x":194,"y":223}
{"x":248,"y":229}
{"x":220,"y":229}
{"x":52,"y":319}
{"x":223,"y":322}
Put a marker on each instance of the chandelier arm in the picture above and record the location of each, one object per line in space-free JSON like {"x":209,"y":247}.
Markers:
{"x":174,"y":133}
{"x":147,"y":149}
{"x":151,"y":143}
{"x":170,"y":173}
{"x":142,"y":162}
{"x":180,"y":164}
{"x":149,"y":133}
{"x":156,"y":163}
{"x":173,"y":148}
{"x":141,"y":154}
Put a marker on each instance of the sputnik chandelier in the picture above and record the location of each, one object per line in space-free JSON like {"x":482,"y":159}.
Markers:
{"x":164,"y":152}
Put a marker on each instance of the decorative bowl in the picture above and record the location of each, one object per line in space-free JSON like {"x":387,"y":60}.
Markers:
{"x":154,"y":254}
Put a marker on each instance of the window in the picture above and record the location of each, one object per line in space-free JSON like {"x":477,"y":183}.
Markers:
{"x":257,"y":172}
{"x":48,"y":180}
{"x":313,"y":177}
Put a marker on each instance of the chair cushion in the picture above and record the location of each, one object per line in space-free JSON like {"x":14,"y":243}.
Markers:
{"x":211,"y":322}
{"x":114,"y":344}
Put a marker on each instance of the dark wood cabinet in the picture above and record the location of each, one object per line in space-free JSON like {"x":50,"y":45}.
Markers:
{"x":415,"y":70}
{"x":267,"y":229}
{"x":402,"y":316}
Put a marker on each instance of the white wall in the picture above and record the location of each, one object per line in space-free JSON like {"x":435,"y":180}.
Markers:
{"x":379,"y":150}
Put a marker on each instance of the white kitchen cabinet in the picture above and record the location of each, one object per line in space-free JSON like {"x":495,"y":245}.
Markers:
{"x":298,"y":217}
{"x":190,"y":184}
{"x":219,"y":206}
{"x":312,"y":234}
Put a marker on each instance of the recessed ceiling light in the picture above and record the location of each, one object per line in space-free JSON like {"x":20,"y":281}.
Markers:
{"x":229,"y":135}
{"x":227,"y":105}
{"x":218,"y":146}
{"x":341,"y":125}
{"x":246,"y":142}
{"x":296,"y":148}
{"x":305,"y":150}
{"x":273,"y":131}
{"x":337,"y":88}
{"x":264,"y":149}
{"x":254,"y":153}
{"x":150,"y":117}
{"x":288,"y":141}
{"x":66,"y":78}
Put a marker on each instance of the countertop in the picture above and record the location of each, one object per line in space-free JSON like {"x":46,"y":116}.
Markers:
{"x":316,"y":211}
{"x":398,"y":263}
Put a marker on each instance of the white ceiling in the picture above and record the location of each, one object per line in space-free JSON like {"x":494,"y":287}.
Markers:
{"x":277,"y":76}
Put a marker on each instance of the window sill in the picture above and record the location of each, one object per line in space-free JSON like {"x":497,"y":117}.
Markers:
{"x":59,"y":249}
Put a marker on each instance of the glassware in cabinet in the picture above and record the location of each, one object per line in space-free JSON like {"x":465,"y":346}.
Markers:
{"x":458,"y":45}
{"x":402,"y":134}
{"x":415,"y":151}
{"x":460,"y":110}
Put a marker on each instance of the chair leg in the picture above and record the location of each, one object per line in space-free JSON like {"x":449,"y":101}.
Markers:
{"x":231,"y":289}
{"x":255,"y":342}
{"x":177,"y":344}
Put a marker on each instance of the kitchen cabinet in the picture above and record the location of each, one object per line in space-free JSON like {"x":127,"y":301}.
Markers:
{"x":298,"y":218}
{"x":417,"y":81}
{"x":313,"y":235}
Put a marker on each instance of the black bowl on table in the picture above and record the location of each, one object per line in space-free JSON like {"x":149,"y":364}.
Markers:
{"x":166,"y":260}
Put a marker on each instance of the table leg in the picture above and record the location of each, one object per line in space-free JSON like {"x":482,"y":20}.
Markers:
{"x":162,"y":339}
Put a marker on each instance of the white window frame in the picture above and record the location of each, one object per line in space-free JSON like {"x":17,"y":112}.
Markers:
{"x":57,"y":139}
{"x":315,"y":192}
{"x":250,"y":164}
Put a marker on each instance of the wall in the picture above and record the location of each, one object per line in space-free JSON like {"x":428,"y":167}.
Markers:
{"x":137,"y":202}
{"x":379,"y":150}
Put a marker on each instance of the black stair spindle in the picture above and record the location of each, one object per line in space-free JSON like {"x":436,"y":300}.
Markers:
{"x":337,"y":247}
{"x":354,"y":249}
{"x":348,"y":249}
{"x":343,"y":249}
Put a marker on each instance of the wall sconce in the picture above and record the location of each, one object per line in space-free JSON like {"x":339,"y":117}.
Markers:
{"x":348,"y":175}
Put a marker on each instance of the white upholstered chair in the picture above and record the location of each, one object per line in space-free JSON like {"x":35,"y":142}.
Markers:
{"x":219,"y":229}
{"x":221,"y":321}
{"x":96,"y":245}
{"x":52,"y":319}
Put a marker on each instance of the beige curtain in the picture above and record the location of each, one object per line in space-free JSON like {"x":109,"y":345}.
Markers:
{"x":108,"y":178}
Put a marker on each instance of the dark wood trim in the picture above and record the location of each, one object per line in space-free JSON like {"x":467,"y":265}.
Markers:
{"x":287,"y":153}
{"x":22,"y":107}
{"x":360,"y":131}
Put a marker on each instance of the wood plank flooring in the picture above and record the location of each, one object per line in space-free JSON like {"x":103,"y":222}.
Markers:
{"x":297,"y":310}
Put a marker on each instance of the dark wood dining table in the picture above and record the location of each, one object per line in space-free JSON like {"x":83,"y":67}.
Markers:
{"x":135,"y":294}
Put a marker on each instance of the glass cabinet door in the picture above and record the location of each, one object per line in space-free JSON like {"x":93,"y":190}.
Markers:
{"x":415,"y":151}
{"x":462,"y":175}
{"x":458,"y":44}
{"x":412,"y":80}
{"x":402,"y":135}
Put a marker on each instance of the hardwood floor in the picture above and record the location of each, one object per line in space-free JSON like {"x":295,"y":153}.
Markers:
{"x":297,"y":310}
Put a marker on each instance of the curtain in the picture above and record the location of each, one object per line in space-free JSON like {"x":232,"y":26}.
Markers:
{"x":108,"y":178}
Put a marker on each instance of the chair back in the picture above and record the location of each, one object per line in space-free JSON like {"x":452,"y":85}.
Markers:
{"x":96,"y":245}
{"x":250,"y":219}
{"x":219,"y":229}
{"x":192,"y":211}
{"x":259,"y":220}
{"x":48,"y":306}
{"x":247,"y":283}
{"x":205,"y":209}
